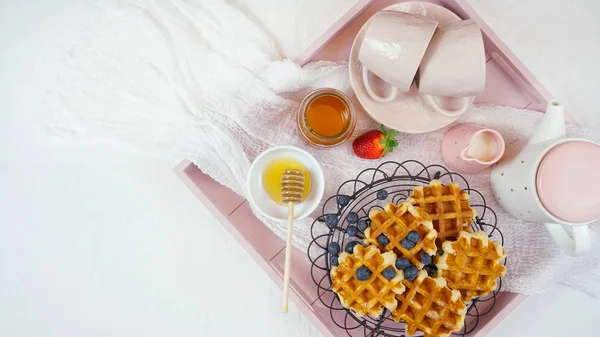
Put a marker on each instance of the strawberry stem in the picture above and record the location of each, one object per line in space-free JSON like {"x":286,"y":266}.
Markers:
{"x":389,"y":139}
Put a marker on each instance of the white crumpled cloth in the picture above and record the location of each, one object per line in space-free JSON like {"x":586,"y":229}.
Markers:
{"x":198,"y":79}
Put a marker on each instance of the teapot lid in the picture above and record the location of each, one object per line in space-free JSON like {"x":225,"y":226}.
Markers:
{"x":568,"y":181}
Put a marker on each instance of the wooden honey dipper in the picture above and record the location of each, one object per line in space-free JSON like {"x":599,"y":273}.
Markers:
{"x":292,"y":189}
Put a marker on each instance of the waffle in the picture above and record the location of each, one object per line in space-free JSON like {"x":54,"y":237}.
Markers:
{"x":448,"y":207}
{"x":471,"y":264}
{"x":395,"y":221}
{"x":428,"y":305}
{"x":371,"y":296}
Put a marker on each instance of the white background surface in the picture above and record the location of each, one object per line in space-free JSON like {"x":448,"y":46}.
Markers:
{"x":97,"y":239}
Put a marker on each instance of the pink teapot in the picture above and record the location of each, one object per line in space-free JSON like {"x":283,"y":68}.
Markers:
{"x":553,"y":180}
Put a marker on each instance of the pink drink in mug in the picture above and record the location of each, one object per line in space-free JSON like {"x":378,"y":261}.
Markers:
{"x":567,"y":182}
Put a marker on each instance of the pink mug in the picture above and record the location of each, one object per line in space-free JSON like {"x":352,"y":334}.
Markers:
{"x":469,"y":148}
{"x":392,"y":49}
{"x":453,"y":67}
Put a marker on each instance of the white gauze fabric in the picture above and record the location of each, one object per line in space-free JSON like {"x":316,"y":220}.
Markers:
{"x":199,"y":80}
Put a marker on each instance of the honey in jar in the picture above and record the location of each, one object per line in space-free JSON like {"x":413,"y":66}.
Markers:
{"x":326,"y":117}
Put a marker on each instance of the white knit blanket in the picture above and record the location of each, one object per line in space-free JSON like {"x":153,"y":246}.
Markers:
{"x":200,"y":80}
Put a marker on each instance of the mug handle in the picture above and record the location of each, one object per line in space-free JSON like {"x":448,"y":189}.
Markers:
{"x":433,"y":102}
{"x":371,"y":92}
{"x":578,"y":245}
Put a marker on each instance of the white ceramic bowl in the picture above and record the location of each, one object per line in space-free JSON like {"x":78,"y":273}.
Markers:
{"x":261,"y":201}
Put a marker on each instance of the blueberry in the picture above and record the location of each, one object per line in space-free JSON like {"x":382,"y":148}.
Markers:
{"x":411,"y":273}
{"x":350,"y":246}
{"x":362,"y":224}
{"x":382,"y":194}
{"x":402,"y":263}
{"x":331,"y":220}
{"x":343,"y":200}
{"x":413,"y":236}
{"x":389,"y":273}
{"x":334,"y":248}
{"x":426,"y":258}
{"x":431,"y":270}
{"x":363,"y":273}
{"x":383,"y":240}
{"x":333,"y":260}
{"x":406,"y":243}
{"x":352,"y":217}
{"x":352,"y":231}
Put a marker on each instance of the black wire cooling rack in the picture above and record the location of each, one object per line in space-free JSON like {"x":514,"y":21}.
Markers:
{"x":398,"y":180}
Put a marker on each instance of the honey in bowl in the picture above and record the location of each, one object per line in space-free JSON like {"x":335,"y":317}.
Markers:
{"x":271,"y":177}
{"x":326,"y":117}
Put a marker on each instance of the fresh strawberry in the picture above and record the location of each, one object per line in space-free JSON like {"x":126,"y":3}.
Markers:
{"x":375,"y":144}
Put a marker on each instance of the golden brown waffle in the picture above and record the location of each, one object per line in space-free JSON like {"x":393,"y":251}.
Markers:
{"x":428,"y":305}
{"x":448,"y":207}
{"x":370,"y":296}
{"x":395,"y":221}
{"x":471,"y":264}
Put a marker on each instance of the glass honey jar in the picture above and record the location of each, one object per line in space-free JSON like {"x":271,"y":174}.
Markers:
{"x":326,"y":117}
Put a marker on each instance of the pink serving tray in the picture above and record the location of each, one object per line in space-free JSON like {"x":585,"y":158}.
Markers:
{"x":508,"y":83}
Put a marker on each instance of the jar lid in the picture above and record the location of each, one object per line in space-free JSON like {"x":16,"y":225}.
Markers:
{"x":567,"y":181}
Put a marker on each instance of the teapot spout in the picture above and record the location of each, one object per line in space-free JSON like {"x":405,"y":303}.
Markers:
{"x":553,"y":124}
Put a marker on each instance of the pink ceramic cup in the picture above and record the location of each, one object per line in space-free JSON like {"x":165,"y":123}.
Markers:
{"x":453,"y":66}
{"x":392,"y":49}
{"x":469,"y":148}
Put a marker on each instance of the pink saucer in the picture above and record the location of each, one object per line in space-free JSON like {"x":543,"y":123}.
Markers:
{"x":409,"y":113}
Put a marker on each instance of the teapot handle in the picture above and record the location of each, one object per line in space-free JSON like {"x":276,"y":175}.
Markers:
{"x":578,"y":245}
